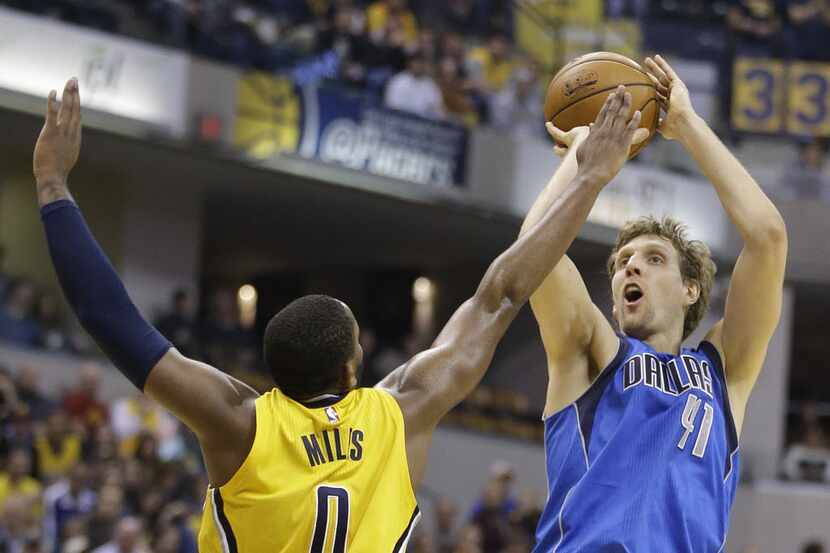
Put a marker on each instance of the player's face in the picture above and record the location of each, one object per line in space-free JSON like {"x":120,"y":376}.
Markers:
{"x":648,"y":289}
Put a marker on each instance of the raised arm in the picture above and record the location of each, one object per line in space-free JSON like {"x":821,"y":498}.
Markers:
{"x":218,"y":408}
{"x":434,"y":381}
{"x":753,"y":303}
{"x":574,"y":331}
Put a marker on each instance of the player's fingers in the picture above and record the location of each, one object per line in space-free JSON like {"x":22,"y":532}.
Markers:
{"x":52,"y":109}
{"x":614,"y":105}
{"x":660,"y":87}
{"x":557,"y":134}
{"x":66,"y":105}
{"x":603,"y":112}
{"x":634,"y":123}
{"x":658,"y":72}
{"x":75,"y":119}
{"x":560,"y":150}
{"x":639,"y":136}
{"x":625,"y":109}
{"x":664,"y":65}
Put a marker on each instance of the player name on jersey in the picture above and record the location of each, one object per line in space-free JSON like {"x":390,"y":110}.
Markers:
{"x":329,"y":446}
{"x":671,"y":378}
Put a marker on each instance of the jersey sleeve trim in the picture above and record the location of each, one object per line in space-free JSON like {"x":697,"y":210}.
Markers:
{"x":395,"y":407}
{"x":223,"y":526}
{"x":403,"y":541}
{"x":601,"y":378}
{"x":259,"y":404}
{"x":711,"y":352}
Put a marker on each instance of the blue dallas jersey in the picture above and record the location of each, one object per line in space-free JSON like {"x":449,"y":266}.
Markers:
{"x":645,"y":461}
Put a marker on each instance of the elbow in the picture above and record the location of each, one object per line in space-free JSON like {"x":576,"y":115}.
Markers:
{"x":498,"y":293}
{"x":774,"y":233}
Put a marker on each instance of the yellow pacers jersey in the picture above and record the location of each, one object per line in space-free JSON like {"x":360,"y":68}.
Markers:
{"x":324,"y":477}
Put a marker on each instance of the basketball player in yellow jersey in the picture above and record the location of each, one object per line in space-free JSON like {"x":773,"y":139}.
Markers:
{"x":316,"y":464}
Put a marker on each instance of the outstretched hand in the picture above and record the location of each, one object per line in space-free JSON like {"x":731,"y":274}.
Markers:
{"x":673,"y":97}
{"x":605,"y":150}
{"x":59,"y":143}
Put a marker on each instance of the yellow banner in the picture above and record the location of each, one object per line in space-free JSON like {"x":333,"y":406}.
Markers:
{"x":808,"y":99}
{"x":268,"y":115}
{"x":758,"y":95}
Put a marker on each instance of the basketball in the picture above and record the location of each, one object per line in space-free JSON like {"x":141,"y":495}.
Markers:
{"x":578,"y":91}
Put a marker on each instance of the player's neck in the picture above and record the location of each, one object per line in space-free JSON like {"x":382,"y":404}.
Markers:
{"x":665,"y":342}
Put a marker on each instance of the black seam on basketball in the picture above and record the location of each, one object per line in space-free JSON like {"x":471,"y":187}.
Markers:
{"x":639,"y":67}
{"x":600,"y":92}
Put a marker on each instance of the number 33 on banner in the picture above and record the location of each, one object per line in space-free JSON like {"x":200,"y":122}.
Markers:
{"x":758,"y":94}
{"x":808,"y":104}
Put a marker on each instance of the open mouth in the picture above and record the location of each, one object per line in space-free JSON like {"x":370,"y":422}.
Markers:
{"x":632,"y":294}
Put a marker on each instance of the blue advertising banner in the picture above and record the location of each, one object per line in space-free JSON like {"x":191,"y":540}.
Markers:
{"x":337,"y":127}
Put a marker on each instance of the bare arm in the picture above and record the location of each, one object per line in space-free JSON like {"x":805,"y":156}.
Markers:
{"x":431,"y":383}
{"x":753,"y":304}
{"x":562,"y":305}
{"x":218,"y":408}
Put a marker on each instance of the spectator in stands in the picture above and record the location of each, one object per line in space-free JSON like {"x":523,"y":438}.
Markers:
{"x":387,"y":17}
{"x":127,"y":538}
{"x":809,"y":457}
{"x":492,"y":512}
{"x":81,"y":403}
{"x":108,"y":510}
{"x":178,"y":325}
{"x":808,"y":29}
{"x":458,"y":101}
{"x":16,"y":480}
{"x":469,"y":540}
{"x":347,"y":39}
{"x":222,"y":333}
{"x":518,"y":107}
{"x":414,"y":90}
{"x":135,"y":418}
{"x":66,"y":499}
{"x":755,"y":26}
{"x":445,"y":516}
{"x":805,"y":177}
{"x":9,"y":405}
{"x":491,"y":64}
{"x":813,"y":547}
{"x":37,"y":405}
{"x":17,"y":323}
{"x":57,"y":447}
{"x":19,"y":529}
{"x":466,"y":17}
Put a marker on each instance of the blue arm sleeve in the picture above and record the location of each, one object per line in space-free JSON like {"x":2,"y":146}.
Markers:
{"x":97,"y":295}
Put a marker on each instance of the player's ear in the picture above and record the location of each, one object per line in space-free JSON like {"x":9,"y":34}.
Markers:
{"x":348,"y":376}
{"x":692,"y":291}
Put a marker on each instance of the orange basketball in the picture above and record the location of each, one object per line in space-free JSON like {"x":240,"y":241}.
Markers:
{"x":578,"y":91}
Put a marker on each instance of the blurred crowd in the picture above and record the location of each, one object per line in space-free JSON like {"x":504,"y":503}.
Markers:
{"x":500,"y":520}
{"x":80,"y":474}
{"x":807,"y":456}
{"x":444,"y":60}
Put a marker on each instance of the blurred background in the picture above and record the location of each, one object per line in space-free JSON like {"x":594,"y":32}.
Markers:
{"x":238,"y":154}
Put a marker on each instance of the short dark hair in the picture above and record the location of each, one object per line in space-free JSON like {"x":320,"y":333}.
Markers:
{"x":813,"y":547}
{"x":307,"y":343}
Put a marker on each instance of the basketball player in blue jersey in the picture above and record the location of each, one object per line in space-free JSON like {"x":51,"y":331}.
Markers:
{"x":316,"y":449}
{"x":641,"y":434}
